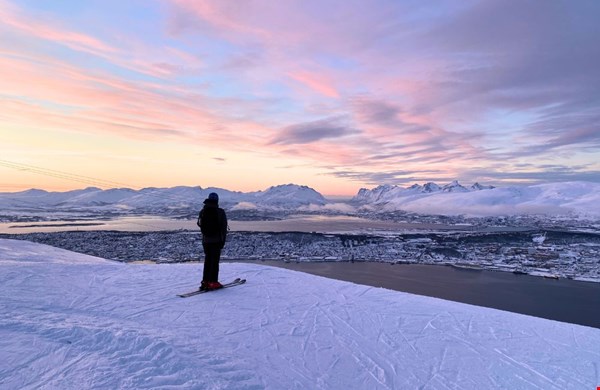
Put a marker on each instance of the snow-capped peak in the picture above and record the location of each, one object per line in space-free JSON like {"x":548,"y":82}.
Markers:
{"x":454,"y":186}
{"x":378,"y":194}
{"x":292,"y":195}
{"x":430,"y":187}
{"x":479,"y":187}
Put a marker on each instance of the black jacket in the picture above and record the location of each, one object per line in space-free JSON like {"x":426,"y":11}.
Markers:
{"x":221,"y":236}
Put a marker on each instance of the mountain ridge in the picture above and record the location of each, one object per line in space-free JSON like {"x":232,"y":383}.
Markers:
{"x":566,"y":198}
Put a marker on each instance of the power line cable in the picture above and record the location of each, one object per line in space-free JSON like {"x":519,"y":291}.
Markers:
{"x":82,"y":179}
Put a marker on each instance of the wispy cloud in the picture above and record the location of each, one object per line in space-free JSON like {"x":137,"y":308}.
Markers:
{"x":535,"y":174}
{"x":380,"y":90}
{"x":48,"y":31}
{"x":316,"y":82}
{"x":387,"y":177}
{"x":304,"y":133}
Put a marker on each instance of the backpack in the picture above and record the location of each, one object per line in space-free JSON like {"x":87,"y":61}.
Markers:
{"x":209,"y":221}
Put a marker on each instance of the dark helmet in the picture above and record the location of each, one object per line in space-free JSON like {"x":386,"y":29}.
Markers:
{"x":213,"y":198}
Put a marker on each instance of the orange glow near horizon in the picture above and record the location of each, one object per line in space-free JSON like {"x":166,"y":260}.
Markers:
{"x":244,"y":96}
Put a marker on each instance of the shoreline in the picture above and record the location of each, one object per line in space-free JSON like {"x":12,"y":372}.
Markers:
{"x":572,"y":301}
{"x":561,"y":300}
{"x":473,"y":268}
{"x":563,"y":256}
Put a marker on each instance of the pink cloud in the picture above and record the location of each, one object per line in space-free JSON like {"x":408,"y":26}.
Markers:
{"x":258,"y":71}
{"x":100,"y":103}
{"x":129,"y":53}
{"x":103,"y":103}
{"x":13,"y":18}
{"x":223,"y":16}
{"x":316,"y":82}
{"x":292,"y":26}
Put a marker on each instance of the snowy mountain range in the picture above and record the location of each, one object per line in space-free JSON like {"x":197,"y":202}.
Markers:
{"x":569,"y":198}
{"x":289,"y":196}
{"x":387,"y":193}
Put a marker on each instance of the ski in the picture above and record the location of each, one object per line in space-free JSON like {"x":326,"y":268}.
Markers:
{"x":236,"y":282}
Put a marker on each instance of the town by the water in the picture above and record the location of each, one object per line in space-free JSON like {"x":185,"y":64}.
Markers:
{"x":547,"y":251}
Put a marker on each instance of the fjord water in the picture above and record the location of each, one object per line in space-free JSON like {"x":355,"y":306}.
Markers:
{"x":295,"y":223}
{"x":561,"y":300}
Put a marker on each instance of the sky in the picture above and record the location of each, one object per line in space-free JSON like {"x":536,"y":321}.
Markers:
{"x":336,"y":95}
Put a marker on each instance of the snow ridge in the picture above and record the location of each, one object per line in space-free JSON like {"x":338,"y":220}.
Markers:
{"x":571,"y":198}
{"x":290,"y":196}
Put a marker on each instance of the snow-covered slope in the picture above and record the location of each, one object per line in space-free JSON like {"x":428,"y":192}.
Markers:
{"x":70,"y":321}
{"x":290,"y":196}
{"x":577,"y":198}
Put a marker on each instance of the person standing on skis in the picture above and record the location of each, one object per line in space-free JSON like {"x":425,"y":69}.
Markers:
{"x":212,"y":221}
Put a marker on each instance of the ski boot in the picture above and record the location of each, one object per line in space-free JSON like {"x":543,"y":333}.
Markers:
{"x":213,"y":286}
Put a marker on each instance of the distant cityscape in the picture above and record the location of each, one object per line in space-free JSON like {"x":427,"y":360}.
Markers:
{"x":548,"y":253}
{"x":512,"y":229}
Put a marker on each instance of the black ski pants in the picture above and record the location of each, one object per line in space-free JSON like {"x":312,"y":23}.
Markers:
{"x":212,"y":256}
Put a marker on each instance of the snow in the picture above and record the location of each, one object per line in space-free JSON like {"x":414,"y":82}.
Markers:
{"x":72,"y":321}
{"x":289,"y":196}
{"x":570,"y":198}
{"x":578,"y":198}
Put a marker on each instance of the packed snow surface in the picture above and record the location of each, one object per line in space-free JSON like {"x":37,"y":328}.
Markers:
{"x":72,"y":321}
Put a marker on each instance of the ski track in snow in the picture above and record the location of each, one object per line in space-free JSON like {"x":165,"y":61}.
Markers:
{"x":88,"y":323}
